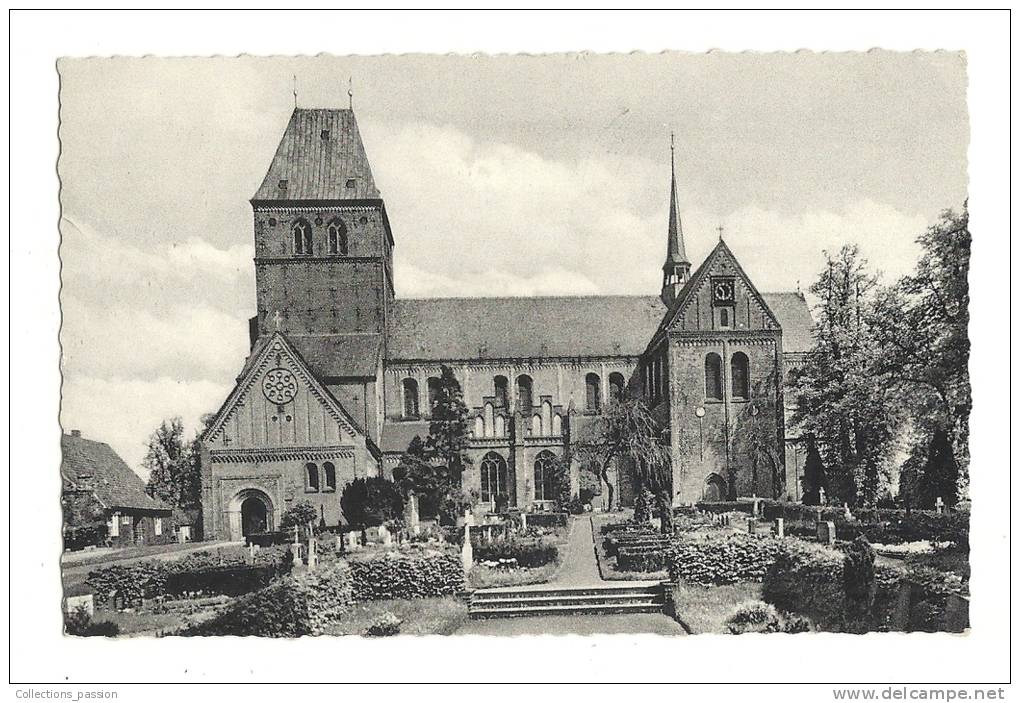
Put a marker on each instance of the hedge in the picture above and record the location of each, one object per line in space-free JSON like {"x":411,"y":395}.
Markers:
{"x":642,"y":559}
{"x":403,"y":575}
{"x":547,"y":519}
{"x":306,"y":604}
{"x":529,"y":553}
{"x":716,"y":557}
{"x":79,"y":537}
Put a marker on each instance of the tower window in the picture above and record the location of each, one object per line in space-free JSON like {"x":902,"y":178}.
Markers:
{"x":494,"y":477}
{"x":500,"y":384}
{"x":337,"y":235}
{"x":713,"y":377}
{"x":324,"y":134}
{"x":724,"y":317}
{"x":738,"y":374}
{"x":433,"y":391}
{"x":282,"y":184}
{"x":302,"y":232}
{"x":593,"y":393}
{"x":410,"y":397}
{"x":525,"y":400}
{"x":616,"y":387}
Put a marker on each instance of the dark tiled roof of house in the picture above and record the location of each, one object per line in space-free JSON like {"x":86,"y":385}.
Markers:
{"x":90,"y":465}
{"x":339,"y":355}
{"x":320,"y":157}
{"x":506,"y":328}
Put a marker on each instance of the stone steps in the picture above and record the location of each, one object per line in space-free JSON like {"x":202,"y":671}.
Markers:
{"x":581,"y":600}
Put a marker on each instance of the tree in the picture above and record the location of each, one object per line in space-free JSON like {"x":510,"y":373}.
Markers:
{"x":814,"y":477}
{"x":447,"y":442}
{"x":627,"y":434}
{"x":760,"y":434}
{"x":416,"y":474}
{"x":921,"y":326}
{"x":844,"y":397}
{"x":81,"y":509}
{"x":371,"y":501}
{"x":941,"y":473}
{"x":301,"y":514}
{"x":174,"y":468}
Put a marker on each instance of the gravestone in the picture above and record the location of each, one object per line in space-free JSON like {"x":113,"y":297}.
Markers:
{"x":752,"y":523}
{"x":847,"y":515}
{"x":826,"y":532}
{"x":311,"y":552}
{"x":352,"y":541}
{"x":524,"y":521}
{"x":467,"y":557}
{"x":821,"y":496}
{"x":780,"y":528}
{"x":387,"y":538}
{"x":411,"y":515}
{"x":939,"y":505}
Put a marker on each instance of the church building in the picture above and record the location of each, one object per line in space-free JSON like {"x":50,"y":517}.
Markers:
{"x":341,"y":371}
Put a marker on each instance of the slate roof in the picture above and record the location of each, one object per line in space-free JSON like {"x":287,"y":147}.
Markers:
{"x":90,"y":465}
{"x":397,"y":435}
{"x":320,"y":152}
{"x":339,"y":355}
{"x":508,"y":328}
{"x":544,"y":327}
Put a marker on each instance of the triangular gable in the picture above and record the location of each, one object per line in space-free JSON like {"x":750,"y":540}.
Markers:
{"x":274,"y":387}
{"x":721,"y":261}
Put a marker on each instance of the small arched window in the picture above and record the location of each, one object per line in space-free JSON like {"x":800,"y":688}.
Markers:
{"x":302,"y":232}
{"x":713,"y":377}
{"x":500,"y":384}
{"x":337,"y":236}
{"x":328,"y":476}
{"x":311,"y":478}
{"x":739,"y":375}
{"x":616,"y":387}
{"x":545,"y":476}
{"x":410,"y":397}
{"x":433,"y":391}
{"x":525,"y":400}
{"x":592,"y":393}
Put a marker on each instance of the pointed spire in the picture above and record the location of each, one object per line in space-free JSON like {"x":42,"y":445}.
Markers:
{"x":676,"y":253}
{"x":677,"y":269}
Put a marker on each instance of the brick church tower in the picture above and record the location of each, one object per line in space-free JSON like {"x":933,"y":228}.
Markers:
{"x":323,"y":246}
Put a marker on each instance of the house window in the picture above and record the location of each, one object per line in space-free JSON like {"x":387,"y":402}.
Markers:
{"x":524,"y":393}
{"x":493,"y":477}
{"x":713,"y":377}
{"x":157,"y":526}
{"x":337,"y":235}
{"x":545,"y":476}
{"x":725,"y":315}
{"x":302,"y":232}
{"x":329,"y":476}
{"x":616,"y":386}
{"x":410,"y":397}
{"x":500,"y":384}
{"x":433,"y":391}
{"x":592,"y":393}
{"x":113,"y":525}
{"x":738,"y":374}
{"x":311,"y":478}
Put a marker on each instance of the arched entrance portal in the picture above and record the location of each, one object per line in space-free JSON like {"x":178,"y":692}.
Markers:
{"x":254,"y":518}
{"x":715,"y":488}
{"x":250,"y":512}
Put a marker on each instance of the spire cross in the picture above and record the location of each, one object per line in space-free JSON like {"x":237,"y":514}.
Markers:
{"x":295,"y":91}
{"x":350,"y":92}
{"x":719,"y":229}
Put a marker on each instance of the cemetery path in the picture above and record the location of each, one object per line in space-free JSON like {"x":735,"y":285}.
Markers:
{"x":579,"y":566}
{"x":631,"y":623}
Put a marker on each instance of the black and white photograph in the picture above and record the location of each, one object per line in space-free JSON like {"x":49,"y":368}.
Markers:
{"x":472,"y":350}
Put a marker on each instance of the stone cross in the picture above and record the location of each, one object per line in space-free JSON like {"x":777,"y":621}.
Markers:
{"x":311,"y":551}
{"x":846,"y":512}
{"x":251,"y":552}
{"x":524,"y":521}
{"x":467,"y":556}
{"x":939,"y":505}
{"x":780,"y":527}
{"x":821,"y":496}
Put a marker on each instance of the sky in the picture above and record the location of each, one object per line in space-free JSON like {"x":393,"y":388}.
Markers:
{"x":502,"y":175}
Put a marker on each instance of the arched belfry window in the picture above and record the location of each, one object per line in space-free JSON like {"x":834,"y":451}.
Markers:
{"x":713,"y":377}
{"x":739,"y":375}
{"x":545,"y":476}
{"x":302,"y":232}
{"x":592,"y":393}
{"x":494,"y":475}
{"x":410,"y":397}
{"x":311,"y":478}
{"x":525,"y":399}
{"x":336,"y":233}
{"x":500,"y":387}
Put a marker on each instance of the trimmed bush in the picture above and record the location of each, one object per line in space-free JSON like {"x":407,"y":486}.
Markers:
{"x":528,"y":553}
{"x":306,"y":604}
{"x":403,"y":575}
{"x":715,"y":557}
{"x":808,"y":579}
{"x":643,"y":560}
{"x":386,"y":625}
{"x":754,"y":616}
{"x":547,"y":519}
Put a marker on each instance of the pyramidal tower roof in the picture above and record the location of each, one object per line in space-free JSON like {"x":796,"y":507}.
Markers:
{"x":320,"y":157}
{"x":676,"y":253}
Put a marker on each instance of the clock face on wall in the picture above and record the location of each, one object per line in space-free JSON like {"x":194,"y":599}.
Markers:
{"x":279,"y":386}
{"x":722,"y":290}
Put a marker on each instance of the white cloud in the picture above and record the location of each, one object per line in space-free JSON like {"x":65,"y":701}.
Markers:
{"x":124,"y":413}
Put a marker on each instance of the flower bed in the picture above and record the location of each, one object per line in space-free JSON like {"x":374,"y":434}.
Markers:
{"x":407,"y":574}
{"x":526,"y":552}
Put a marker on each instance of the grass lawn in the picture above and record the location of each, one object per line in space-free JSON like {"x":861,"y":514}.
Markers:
{"x":105,"y":556}
{"x":420,"y":616}
{"x":704,"y":609}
